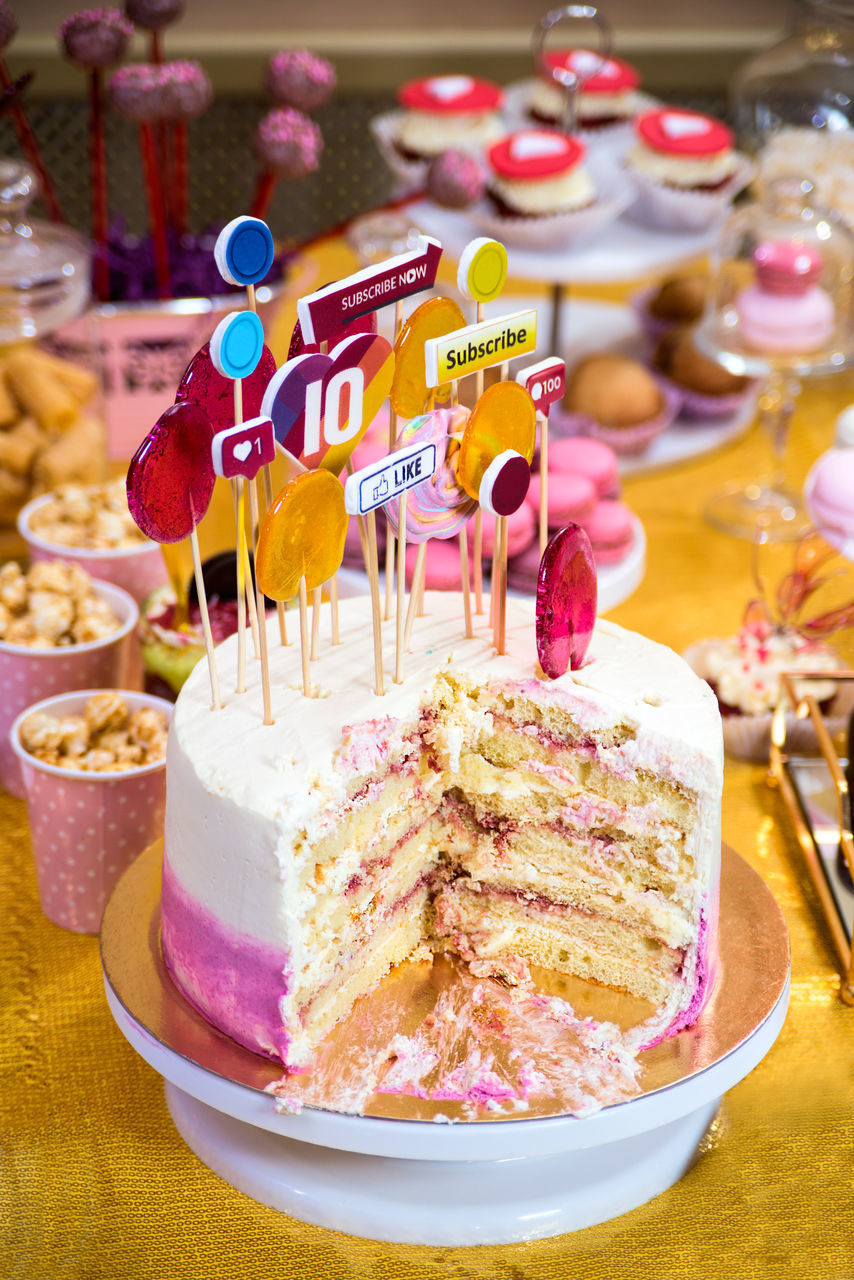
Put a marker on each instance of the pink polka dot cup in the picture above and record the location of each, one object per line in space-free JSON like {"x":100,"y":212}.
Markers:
{"x":138,"y":570}
{"x":87,"y":827}
{"x":27,"y":675}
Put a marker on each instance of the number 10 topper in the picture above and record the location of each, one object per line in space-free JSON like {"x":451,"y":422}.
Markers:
{"x":322,"y":405}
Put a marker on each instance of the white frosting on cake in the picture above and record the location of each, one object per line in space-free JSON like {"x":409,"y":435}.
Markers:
{"x":240,"y":794}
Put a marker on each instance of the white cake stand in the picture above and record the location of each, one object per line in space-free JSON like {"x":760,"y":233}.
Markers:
{"x":422,"y":1182}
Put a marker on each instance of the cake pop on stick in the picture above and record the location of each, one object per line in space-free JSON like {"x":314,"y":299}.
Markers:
{"x":187,"y":94}
{"x":297,"y":78}
{"x":95,"y":39}
{"x":136,"y":92}
{"x":545,"y":382}
{"x":236,"y":347}
{"x":152,"y":16}
{"x":301,"y":545}
{"x":11,"y":97}
{"x":481,"y":275}
{"x":170,"y":482}
{"x":288,"y":145}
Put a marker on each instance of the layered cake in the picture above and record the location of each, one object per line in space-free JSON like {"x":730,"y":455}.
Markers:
{"x":478,"y":807}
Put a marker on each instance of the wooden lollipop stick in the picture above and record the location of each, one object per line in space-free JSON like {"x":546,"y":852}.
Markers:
{"x":316,"y":601}
{"x":464,"y":570}
{"x":303,"y":636}
{"x":501,"y":629}
{"x":241,"y":589}
{"x":477,"y":552}
{"x":280,"y":604}
{"x":415,"y":591}
{"x":544,"y":480}
{"x":206,"y":622}
{"x":247,"y":574}
{"x":401,"y":589}
{"x":392,"y":438}
{"x":333,"y":606}
{"x":373,"y":568}
{"x":262,"y":629}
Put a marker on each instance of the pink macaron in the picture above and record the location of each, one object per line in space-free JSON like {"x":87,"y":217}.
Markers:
{"x":523,"y":571}
{"x":592,"y":458}
{"x":521,"y":527}
{"x":443,"y":570}
{"x":611,"y":531}
{"x":569,"y":497}
{"x":829,"y":493}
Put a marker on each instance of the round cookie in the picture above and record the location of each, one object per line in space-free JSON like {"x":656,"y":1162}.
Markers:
{"x":614,"y":390}
{"x":591,"y":458}
{"x":610,"y":529}
{"x":570,"y":498}
{"x":443,"y":570}
{"x":521,"y":528}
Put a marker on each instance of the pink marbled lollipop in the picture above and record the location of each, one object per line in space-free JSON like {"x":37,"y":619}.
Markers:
{"x":202,"y":384}
{"x":566,"y":601}
{"x":297,"y":78}
{"x":170,"y":479}
{"x":438,"y":507}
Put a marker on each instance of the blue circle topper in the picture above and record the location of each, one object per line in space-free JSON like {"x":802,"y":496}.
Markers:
{"x":237,"y":343}
{"x":244,"y":251}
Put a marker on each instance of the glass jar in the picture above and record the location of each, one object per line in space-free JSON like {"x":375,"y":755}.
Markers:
{"x":806,"y":81}
{"x":44,"y":268}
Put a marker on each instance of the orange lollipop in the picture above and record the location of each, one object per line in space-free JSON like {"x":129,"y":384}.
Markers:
{"x":504,"y":417}
{"x":302,"y":535}
{"x":409,"y":391}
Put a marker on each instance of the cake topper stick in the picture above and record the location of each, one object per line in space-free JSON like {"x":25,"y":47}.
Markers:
{"x":303,"y":637}
{"x":392,"y":436}
{"x":481,"y":275}
{"x":418,"y":575}
{"x":400,"y":596}
{"x":170,"y":481}
{"x":545,"y":382}
{"x":316,"y":602}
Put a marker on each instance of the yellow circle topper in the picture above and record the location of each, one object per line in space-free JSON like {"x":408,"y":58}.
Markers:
{"x":482,"y":272}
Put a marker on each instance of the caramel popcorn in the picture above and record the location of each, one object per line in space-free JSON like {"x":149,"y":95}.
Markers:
{"x":91,"y":517}
{"x":107,"y":738}
{"x":51,"y":606}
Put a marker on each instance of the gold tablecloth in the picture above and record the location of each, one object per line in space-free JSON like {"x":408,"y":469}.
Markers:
{"x":95,"y":1182}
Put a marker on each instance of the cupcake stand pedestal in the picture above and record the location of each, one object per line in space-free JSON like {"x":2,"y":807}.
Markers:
{"x":464,"y":1183}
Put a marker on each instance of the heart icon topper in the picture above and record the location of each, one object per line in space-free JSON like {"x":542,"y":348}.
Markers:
{"x":545,"y":382}
{"x":322,"y":405}
{"x":683,"y":133}
{"x":453,"y":94}
{"x":170,"y":479}
{"x":243,"y":449}
{"x":595,"y":73}
{"x":535,"y":153}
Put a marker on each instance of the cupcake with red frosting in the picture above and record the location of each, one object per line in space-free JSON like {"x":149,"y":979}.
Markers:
{"x":541,"y":190}
{"x":607,"y":94}
{"x":437,"y":114}
{"x":685,"y":168}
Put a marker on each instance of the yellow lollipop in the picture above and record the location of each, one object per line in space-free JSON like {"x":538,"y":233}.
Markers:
{"x":302,"y":535}
{"x":504,"y":417}
{"x":409,"y":391}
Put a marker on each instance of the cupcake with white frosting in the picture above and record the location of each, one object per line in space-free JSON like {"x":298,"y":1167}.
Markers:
{"x":607,"y":94}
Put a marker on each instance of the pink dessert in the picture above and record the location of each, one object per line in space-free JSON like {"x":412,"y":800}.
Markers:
{"x":785,"y":310}
{"x":610,"y":529}
{"x":591,"y":458}
{"x":570,"y":498}
{"x":520,"y":531}
{"x":829,"y":493}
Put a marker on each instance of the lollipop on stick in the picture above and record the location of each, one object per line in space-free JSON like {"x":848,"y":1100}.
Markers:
{"x":170,"y":482}
{"x":301,"y":545}
{"x":545,"y":382}
{"x":288,"y":145}
{"x":95,"y":39}
{"x":236,"y":347}
{"x":481,"y":275}
{"x":11,"y":94}
{"x":136,"y":92}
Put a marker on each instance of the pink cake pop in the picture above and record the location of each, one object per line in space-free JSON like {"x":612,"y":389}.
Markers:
{"x":297,"y":78}
{"x":95,"y":38}
{"x":137,"y":92}
{"x":786,"y":310}
{"x":153,"y":14}
{"x":288,"y":145}
{"x":26,"y":137}
{"x":187,"y":93}
{"x":455,"y":179}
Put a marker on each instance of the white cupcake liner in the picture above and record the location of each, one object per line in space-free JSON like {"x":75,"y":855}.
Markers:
{"x":749,"y":737}
{"x":614,"y":194}
{"x":673,"y":209}
{"x":411,"y":175}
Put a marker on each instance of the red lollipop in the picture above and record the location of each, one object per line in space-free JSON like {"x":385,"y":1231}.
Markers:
{"x":170,"y":479}
{"x":566,"y":601}
{"x":206,"y":387}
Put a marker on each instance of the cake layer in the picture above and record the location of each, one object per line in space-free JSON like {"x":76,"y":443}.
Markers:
{"x":299,"y":852}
